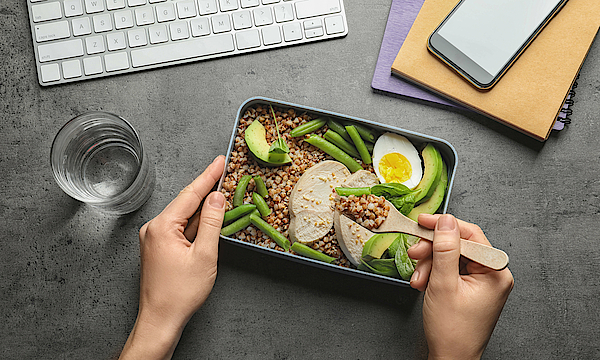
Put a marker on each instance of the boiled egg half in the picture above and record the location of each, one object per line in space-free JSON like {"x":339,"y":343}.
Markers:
{"x":396,"y":159}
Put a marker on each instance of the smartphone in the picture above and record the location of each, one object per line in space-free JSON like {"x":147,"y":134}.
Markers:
{"x":481,"y":39}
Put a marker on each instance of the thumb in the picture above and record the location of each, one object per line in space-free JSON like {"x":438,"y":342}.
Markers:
{"x":446,"y":252}
{"x":211,"y":219}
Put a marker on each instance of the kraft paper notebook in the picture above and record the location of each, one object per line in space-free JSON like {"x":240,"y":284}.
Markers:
{"x":401,"y":18}
{"x":532,"y":92}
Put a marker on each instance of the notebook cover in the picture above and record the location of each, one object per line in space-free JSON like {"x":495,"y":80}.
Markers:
{"x":531,"y":93}
{"x":402,"y":15}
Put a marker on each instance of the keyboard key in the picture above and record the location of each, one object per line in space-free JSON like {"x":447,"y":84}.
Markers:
{"x":249,"y":3}
{"x":73,"y":8}
{"x":311,"y":33}
{"x":46,"y":11}
{"x":116,"y":61}
{"x":165,"y":12}
{"x":52,"y":31}
{"x":158,"y":34}
{"x":262,"y":16}
{"x":241,"y":20}
{"x":310,"y":8}
{"x":200,"y":27}
{"x":92,"y":65}
{"x":137,"y":37}
{"x":292,"y":32}
{"x":115,"y":41}
{"x":123,"y":19}
{"x":247,"y":39}
{"x":283,"y":12}
{"x":271,"y":35}
{"x":50,"y":72}
{"x":71,"y":69}
{"x":60,"y":50}
{"x":81,"y":26}
{"x":186,"y":9}
{"x":144,"y":16}
{"x":207,"y":7}
{"x":135,"y":3}
{"x":228,"y":5}
{"x":114,"y":5}
{"x":312,"y":24}
{"x":267,"y":2}
{"x":179,"y":30}
{"x":197,"y":47}
{"x":95,"y":44}
{"x":94,"y":6}
{"x":221,"y":23}
{"x":334,"y":25}
{"x":102,"y":23}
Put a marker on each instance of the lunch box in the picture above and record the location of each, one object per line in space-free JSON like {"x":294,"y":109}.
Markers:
{"x":446,"y":149}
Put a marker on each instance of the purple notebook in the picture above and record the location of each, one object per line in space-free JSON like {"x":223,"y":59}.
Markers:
{"x":402,"y":15}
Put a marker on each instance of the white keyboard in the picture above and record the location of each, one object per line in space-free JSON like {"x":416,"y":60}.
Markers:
{"x":76,"y":40}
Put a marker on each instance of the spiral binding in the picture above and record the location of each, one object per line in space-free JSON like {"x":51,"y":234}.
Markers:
{"x":569,"y":102}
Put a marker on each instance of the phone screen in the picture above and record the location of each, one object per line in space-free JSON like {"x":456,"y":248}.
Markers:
{"x":491,"y":32}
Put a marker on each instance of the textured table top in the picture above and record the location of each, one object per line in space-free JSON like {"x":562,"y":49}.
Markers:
{"x":70,"y":275}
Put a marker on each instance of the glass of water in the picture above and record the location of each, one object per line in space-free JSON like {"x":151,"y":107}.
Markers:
{"x":98,"y":158}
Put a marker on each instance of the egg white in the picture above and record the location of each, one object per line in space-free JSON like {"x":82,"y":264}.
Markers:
{"x":394,"y":143}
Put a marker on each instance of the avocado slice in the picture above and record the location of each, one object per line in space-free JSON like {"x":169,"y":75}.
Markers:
{"x":431,"y":205}
{"x":377,"y":245}
{"x":255,"y":137}
{"x":432,"y":159}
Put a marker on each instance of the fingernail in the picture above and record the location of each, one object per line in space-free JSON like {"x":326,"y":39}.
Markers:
{"x":446,"y":223}
{"x":415,"y":276}
{"x":216,"y":200}
{"x":217,"y":158}
{"x":414,"y":247}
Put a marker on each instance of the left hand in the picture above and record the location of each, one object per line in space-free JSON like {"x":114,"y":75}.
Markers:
{"x":177,"y":275}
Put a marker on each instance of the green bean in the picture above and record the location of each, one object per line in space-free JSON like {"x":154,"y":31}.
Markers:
{"x":240,"y":190}
{"x":337,"y":140}
{"x":367,"y":134}
{"x":238,"y":212}
{"x":370,"y":147}
{"x":270,"y":231}
{"x":309,"y":252}
{"x":308,"y":127}
{"x":344,"y":191}
{"x":261,"y":204}
{"x":339,"y":128}
{"x":335,"y":152}
{"x":359,"y":143}
{"x":261,"y":188}
{"x":239,"y":224}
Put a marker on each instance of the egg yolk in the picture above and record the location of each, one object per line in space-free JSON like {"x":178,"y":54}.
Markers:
{"x":395,"y":167}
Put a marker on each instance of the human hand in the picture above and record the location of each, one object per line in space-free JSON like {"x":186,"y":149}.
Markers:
{"x":463,"y":300}
{"x":176,"y":274}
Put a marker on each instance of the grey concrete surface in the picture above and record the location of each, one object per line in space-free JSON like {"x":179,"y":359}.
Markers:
{"x":69,"y":275}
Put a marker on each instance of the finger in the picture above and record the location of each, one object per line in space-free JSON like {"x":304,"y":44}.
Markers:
{"x":468,"y":231}
{"x":192,"y":227}
{"x":187,"y":202}
{"x":446,"y":252}
{"x":420,"y":250}
{"x":211,"y":219}
{"x":420,"y":277}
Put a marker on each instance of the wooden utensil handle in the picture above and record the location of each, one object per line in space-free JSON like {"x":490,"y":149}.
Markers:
{"x":482,"y":254}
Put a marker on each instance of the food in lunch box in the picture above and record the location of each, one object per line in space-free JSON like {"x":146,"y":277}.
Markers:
{"x":287,"y":200}
{"x":396,"y":160}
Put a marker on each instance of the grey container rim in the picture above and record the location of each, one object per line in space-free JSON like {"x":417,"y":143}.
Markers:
{"x":448,"y":152}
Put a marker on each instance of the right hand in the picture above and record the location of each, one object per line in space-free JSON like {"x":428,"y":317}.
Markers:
{"x":463,"y":300}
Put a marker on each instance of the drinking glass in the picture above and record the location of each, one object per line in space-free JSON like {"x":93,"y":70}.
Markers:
{"x":98,"y":158}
